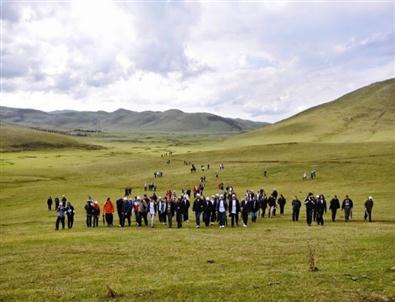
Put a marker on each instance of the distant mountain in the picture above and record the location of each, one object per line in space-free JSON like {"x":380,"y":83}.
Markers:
{"x":366,"y":114}
{"x":127,"y":121}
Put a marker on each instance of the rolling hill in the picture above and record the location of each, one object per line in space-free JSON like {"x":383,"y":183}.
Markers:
{"x":128,"y":121}
{"x":16,"y":138}
{"x":366,"y":114}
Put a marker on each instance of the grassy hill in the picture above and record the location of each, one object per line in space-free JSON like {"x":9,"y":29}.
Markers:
{"x":367,"y":114}
{"x":16,"y":138}
{"x":128,"y":121}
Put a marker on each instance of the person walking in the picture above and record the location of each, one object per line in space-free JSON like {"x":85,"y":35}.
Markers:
{"x":281,"y":202}
{"x":169,"y":211}
{"x":152,"y":211}
{"x":368,"y":209}
{"x":128,"y":211}
{"x":321,"y":209}
{"x":179,"y":209}
{"x":70,"y":215}
{"x":245,"y":207}
{"x":310,"y":206}
{"x":49,"y":203}
{"x":207,"y":211}
{"x":347,"y":206}
{"x":95,"y":214}
{"x":60,"y":214}
{"x":254,"y":208}
{"x":121,"y":210}
{"x":221,"y":209}
{"x":108,"y":210}
{"x":296,"y":205}
{"x":234,"y":210}
{"x":334,"y":205}
{"x":89,"y":212}
{"x":198,"y":207}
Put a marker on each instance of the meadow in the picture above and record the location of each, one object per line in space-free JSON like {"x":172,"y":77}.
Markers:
{"x":267,"y":261}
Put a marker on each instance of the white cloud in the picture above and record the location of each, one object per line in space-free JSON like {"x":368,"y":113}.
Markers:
{"x":261,"y":60}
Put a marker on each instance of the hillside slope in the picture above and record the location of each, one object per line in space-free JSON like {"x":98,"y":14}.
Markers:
{"x":16,"y":138}
{"x":128,"y":121}
{"x":367,"y":114}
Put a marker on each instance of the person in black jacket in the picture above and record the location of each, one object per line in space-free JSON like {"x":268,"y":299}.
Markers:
{"x":89,"y":213}
{"x":169,"y":209}
{"x":333,"y":206}
{"x":179,"y":209}
{"x":208,"y":208}
{"x":185,"y":205}
{"x":49,"y":203}
{"x":254,"y":208}
{"x":198,"y":207}
{"x":262,"y":202}
{"x":245,"y":207}
{"x":214,"y":199}
{"x":222,"y":207}
{"x":296,"y":205}
{"x":310,"y":206}
{"x":234,"y":210}
{"x":271,"y":201}
{"x":57,"y":201}
{"x":321,"y":209}
{"x":70,"y":215}
{"x":121,"y":211}
{"x":347,"y":206}
{"x":281,"y":202}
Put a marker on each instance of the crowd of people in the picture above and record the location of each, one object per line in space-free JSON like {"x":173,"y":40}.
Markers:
{"x":223,"y":209}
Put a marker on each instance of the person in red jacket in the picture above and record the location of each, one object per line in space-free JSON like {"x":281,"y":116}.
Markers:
{"x":108,"y":210}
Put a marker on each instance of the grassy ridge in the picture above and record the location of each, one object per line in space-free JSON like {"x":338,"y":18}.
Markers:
{"x":16,"y":138}
{"x":367,"y":114}
{"x":267,"y":261}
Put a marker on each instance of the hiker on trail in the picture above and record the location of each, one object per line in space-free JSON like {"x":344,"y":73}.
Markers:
{"x":57,"y":201}
{"x":265,"y":173}
{"x":214,"y":216}
{"x":128,"y":211}
{"x":368,"y":209}
{"x":64,"y":200}
{"x":309,"y":202}
{"x":281,"y":202}
{"x":179,"y":209}
{"x":96,"y":214}
{"x":170,"y":208}
{"x":49,"y":203}
{"x":234,"y":210}
{"x":152,"y":211}
{"x":222,"y":207}
{"x":108,"y":210}
{"x":70,"y":215}
{"x":262,"y":202}
{"x":185,"y":207}
{"x":254,"y":207}
{"x":208,"y":208}
{"x":271,"y":201}
{"x":296,"y":205}
{"x":198,"y":207}
{"x":60,"y":211}
{"x":121,"y":210}
{"x":89,"y":212}
{"x":245,"y":207}
{"x":333,"y":206}
{"x":305,"y":175}
{"x":315,"y":208}
{"x":145,"y":209}
{"x":137,"y":208}
{"x":161,"y":210}
{"x":321,"y":209}
{"x":347,"y":206}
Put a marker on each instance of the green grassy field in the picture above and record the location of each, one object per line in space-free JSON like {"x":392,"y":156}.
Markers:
{"x":268,"y":261}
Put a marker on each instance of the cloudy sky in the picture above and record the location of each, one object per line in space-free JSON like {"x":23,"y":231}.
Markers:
{"x":260,"y":60}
